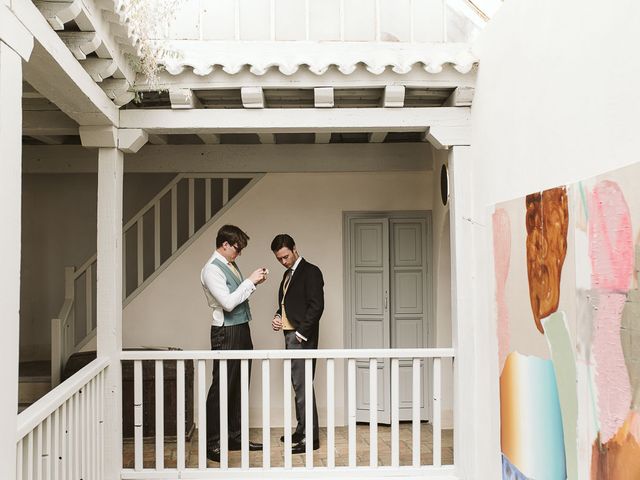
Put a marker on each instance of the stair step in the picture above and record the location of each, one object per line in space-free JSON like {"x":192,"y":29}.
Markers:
{"x":30,"y":389}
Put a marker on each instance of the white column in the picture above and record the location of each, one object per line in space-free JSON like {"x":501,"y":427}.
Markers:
{"x":15,"y":43}
{"x":477,"y":436}
{"x":109,"y":300}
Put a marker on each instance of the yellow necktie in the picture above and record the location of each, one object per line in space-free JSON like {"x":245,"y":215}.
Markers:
{"x":235,"y":271}
{"x":286,"y":324}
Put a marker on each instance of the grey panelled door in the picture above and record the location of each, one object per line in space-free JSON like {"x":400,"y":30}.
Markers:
{"x":409,"y":300}
{"x":369,"y":272}
{"x":390,"y":303}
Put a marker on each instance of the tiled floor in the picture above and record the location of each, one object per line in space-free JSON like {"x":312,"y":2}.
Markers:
{"x":320,"y":456}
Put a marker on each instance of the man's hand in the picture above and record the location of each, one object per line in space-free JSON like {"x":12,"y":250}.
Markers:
{"x":276,"y":323}
{"x":259,"y":276}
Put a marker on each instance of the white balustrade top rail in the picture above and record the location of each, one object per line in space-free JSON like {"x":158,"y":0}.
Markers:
{"x":288,"y":354}
{"x":39,"y":411}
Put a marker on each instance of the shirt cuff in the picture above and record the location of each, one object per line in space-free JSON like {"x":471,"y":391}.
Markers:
{"x":300,"y":336}
{"x":249,"y":285}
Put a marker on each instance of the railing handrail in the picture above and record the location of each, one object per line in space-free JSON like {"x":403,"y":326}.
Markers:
{"x":166,"y":189}
{"x":85,"y":266}
{"x":45,"y":406}
{"x":286,"y":354}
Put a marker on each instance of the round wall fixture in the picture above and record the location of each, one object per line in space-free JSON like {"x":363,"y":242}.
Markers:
{"x":444,"y":184}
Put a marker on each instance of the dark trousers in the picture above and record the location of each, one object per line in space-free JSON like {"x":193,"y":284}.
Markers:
{"x":298,"y":381}
{"x":235,"y":337}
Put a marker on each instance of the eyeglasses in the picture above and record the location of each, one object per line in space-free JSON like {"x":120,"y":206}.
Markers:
{"x":237,"y":248}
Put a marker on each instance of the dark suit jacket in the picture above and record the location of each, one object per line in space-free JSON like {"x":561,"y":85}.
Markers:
{"x":305,"y":299}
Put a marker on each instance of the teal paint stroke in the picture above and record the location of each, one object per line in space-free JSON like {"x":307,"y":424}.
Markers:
{"x":564,"y":364}
{"x":583,"y":197}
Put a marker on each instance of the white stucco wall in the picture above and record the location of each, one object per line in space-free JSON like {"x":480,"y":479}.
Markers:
{"x":556,"y":101}
{"x":173,"y":311}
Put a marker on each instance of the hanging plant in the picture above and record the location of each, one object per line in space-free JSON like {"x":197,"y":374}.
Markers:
{"x":149,"y":22}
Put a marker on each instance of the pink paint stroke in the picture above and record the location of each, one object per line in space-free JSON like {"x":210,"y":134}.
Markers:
{"x":612,"y":380}
{"x":501,"y":258}
{"x":611,"y":253}
{"x":610,"y":239}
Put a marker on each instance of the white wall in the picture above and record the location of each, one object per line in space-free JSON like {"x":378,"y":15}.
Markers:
{"x":59,"y":229}
{"x":556,"y":101}
{"x":173,"y":311}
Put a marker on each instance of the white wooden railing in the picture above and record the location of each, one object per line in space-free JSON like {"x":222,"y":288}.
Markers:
{"x":267,"y":358}
{"x":196,"y":213}
{"x":60,"y":436}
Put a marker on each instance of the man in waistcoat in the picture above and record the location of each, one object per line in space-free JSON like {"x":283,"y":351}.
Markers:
{"x":228,"y":295}
{"x":300,"y":306}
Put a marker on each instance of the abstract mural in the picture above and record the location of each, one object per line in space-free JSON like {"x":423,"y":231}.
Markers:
{"x":566,"y":264}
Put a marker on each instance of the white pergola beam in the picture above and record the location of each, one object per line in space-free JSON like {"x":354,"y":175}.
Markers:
{"x":323,"y":97}
{"x":130,"y":140}
{"x":60,"y":12}
{"x":99,"y":68}
{"x":99,"y":136}
{"x":293,"y":120}
{"x":183,"y":98}
{"x":118,"y":90}
{"x":209,"y":138}
{"x":267,"y":138}
{"x":81,"y":43}
{"x":393,"y":96}
{"x":56,"y":74}
{"x":48,"y":140}
{"x":460,"y":97}
{"x":323,"y":137}
{"x":47,"y":123}
{"x":252,"y":97}
{"x":333,"y":157}
{"x":377,"y":137}
{"x":443,"y":137}
{"x":158,"y":139}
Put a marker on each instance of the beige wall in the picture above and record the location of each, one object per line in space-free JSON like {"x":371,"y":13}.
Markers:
{"x":59,"y":229}
{"x":172,"y":311}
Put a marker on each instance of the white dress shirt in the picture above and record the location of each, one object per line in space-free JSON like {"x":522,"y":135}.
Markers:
{"x":219,"y":298}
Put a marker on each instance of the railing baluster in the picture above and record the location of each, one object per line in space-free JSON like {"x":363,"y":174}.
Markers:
{"x":159,"y":416}
{"x":77,"y":439}
{"x":47,"y":448}
{"x":415,"y":410}
{"x":82,"y":425}
{"x":225,"y":191}
{"x":101,"y":426}
{"x":38,"y":454}
{"x":244,"y":382}
{"x":140,"y":247}
{"x":287,"y":412}
{"x":266,"y":413}
{"x":65,"y":468}
{"x":88,"y":295}
{"x":331,"y":450}
{"x":437,"y":435}
{"x":192,"y":222}
{"x":202,"y":417}
{"x":308,"y":411}
{"x":93,"y":418}
{"x":19,"y":459}
{"x":352,"y":411}
{"x":30,"y":456}
{"x":174,"y":218}
{"x":156,"y":235}
{"x":395,"y":412}
{"x":124,"y":266}
{"x":180,"y":401}
{"x":55,"y":454}
{"x":373,"y":412}
{"x":137,"y":415}
{"x":207,"y":199}
{"x":224,"y":418}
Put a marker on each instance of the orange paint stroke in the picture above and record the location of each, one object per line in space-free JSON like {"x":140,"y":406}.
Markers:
{"x":619,"y":458}
{"x":547,"y":221}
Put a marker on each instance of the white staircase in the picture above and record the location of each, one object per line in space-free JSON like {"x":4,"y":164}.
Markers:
{"x":152,"y":239}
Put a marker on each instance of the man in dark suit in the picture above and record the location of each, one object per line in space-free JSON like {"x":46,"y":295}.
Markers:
{"x":300,"y":306}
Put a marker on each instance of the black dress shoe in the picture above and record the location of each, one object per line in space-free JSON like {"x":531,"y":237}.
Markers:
{"x":213,"y":454}
{"x":301,"y":446}
{"x":295,"y":438}
{"x":253,"y":446}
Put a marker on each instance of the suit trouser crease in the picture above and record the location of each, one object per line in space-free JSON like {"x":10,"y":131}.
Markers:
{"x":234,"y":337}
{"x":298,"y":382}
